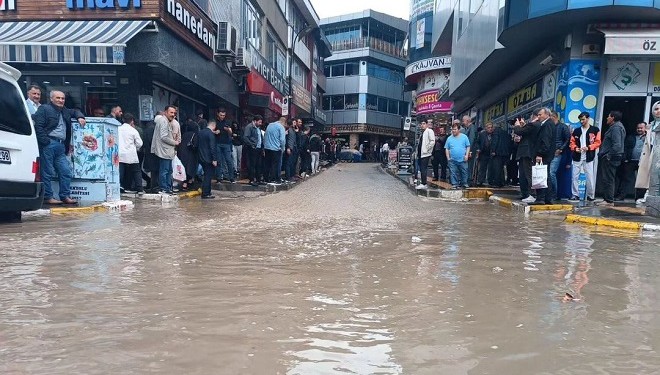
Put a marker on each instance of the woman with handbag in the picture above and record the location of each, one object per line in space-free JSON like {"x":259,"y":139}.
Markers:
{"x":188,"y":153}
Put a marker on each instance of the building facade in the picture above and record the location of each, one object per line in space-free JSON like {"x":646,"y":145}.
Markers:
{"x":365,"y":101}
{"x":144,"y":54}
{"x":572,"y":55}
{"x":427,"y":76}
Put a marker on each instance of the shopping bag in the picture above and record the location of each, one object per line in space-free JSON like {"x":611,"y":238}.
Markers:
{"x":539,"y":176}
{"x":178,"y":170}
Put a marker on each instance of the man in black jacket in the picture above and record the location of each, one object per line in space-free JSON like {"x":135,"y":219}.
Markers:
{"x":527,"y":133}
{"x":562,"y":136}
{"x":253,"y":141}
{"x":545,"y":152}
{"x":52,"y":124}
{"x":484,"y":152}
{"x":611,"y":155}
{"x":500,"y":151}
{"x":633,"y":147}
{"x":208,"y":157}
{"x":439,"y":155}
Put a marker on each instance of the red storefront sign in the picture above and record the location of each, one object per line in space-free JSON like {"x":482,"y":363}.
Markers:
{"x":427,"y":102}
{"x":258,"y":85}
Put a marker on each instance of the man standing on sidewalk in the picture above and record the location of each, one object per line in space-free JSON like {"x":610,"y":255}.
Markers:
{"x":223,"y":139}
{"x":208,"y":157}
{"x":52,"y":125}
{"x":439,"y":156}
{"x":545,"y":152}
{"x":252,"y":141}
{"x":528,"y":133}
{"x":484,"y":153}
{"x":163,"y":146}
{"x":457,"y":149}
{"x":291,"y":150}
{"x":470,"y":130}
{"x":274,"y":145}
{"x":585,"y":141}
{"x":562,"y":138}
{"x":130,"y":176}
{"x":633,"y":152}
{"x":611,"y":155}
{"x":425,"y":150}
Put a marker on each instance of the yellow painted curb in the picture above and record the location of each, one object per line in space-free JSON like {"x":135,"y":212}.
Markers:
{"x":552,"y":207}
{"x":70,"y":210}
{"x":190,"y":194}
{"x":618,"y":224}
{"x":477,"y":194}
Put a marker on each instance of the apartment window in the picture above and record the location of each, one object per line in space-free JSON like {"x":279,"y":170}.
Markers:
{"x":393,"y":107}
{"x":372,"y":102}
{"x":299,"y":73}
{"x":403,"y":109}
{"x":352,"y":68}
{"x":337,"y":102}
{"x":327,"y":101}
{"x":326,"y":70}
{"x":252,"y":25}
{"x":351,"y":101}
{"x":383,"y":104}
{"x":338,"y":70}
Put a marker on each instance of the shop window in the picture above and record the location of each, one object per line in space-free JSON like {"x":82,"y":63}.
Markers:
{"x":351,"y":101}
{"x":338,"y":70}
{"x":337,"y":102}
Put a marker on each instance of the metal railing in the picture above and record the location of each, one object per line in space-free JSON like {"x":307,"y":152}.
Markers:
{"x":369,"y":42}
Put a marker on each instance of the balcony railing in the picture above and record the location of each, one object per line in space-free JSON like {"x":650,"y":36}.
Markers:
{"x":369,"y":42}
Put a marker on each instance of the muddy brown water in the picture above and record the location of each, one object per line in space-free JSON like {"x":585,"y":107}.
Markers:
{"x":326,"y":279}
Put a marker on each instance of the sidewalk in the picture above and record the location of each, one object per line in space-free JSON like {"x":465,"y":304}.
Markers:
{"x":121,"y":205}
{"x":624,"y":215}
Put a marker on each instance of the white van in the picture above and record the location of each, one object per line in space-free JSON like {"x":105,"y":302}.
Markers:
{"x":20,"y":185}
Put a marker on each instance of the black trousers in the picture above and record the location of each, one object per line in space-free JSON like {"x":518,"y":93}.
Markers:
{"x":305,"y":162}
{"x":545,"y":195}
{"x":512,"y":171}
{"x":496,"y":171}
{"x":209,"y":172}
{"x":484,"y":163}
{"x":608,"y":170}
{"x":439,"y":165}
{"x":254,"y":162}
{"x":626,"y":178}
{"x":525,"y":169}
{"x":424,"y":169}
{"x":130,"y":176}
{"x":273,"y":165}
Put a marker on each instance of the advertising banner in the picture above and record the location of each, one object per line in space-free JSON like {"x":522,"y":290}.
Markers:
{"x":524,"y":99}
{"x":427,"y":102}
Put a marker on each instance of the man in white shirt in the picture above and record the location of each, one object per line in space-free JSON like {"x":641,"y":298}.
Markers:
{"x":33,"y":98}
{"x":130,"y":175}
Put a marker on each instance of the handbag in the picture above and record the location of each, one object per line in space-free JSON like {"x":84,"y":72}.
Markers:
{"x":191,"y":144}
{"x":539,"y":176}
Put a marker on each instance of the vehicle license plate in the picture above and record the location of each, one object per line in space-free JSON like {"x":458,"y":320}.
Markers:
{"x":5,"y":156}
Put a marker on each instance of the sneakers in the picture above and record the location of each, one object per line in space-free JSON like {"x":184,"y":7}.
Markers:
{"x":163,"y":192}
{"x":420,"y":187}
{"x":208,"y":196}
{"x":574,"y":199}
{"x":529,"y":199}
{"x":591,"y":199}
{"x":641,"y":201}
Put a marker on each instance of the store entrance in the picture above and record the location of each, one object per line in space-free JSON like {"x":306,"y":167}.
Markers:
{"x":632,"y":107}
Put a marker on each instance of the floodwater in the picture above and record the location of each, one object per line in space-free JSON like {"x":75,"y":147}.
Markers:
{"x":326,"y":279}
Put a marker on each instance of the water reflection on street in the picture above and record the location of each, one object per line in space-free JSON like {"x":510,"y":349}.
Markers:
{"x":326,"y":279}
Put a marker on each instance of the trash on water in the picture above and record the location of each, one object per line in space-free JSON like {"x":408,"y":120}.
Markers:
{"x":416,"y":239}
{"x":497,"y":269}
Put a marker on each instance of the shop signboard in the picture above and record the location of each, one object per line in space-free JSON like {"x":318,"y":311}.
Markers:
{"x":404,"y":157}
{"x":577,"y":89}
{"x":627,"y":77}
{"x":263,"y":67}
{"x":427,"y":65}
{"x":494,"y":113}
{"x":427,"y":102}
{"x":302,"y":98}
{"x":258,"y":85}
{"x":195,"y":23}
{"x":549,"y":86}
{"x":524,"y":99}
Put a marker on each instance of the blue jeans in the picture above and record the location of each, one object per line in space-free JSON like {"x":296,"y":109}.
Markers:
{"x":225,"y":168}
{"x":53,"y":163}
{"x":554,"y":168}
{"x":165,"y":174}
{"x":459,"y":172}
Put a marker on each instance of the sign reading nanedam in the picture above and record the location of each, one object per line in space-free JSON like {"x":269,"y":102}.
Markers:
{"x":193,"y":24}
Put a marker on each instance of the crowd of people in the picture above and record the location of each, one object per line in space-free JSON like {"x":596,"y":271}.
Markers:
{"x":496,"y":157}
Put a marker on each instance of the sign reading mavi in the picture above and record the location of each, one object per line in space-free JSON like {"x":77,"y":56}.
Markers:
{"x":102,"y":4}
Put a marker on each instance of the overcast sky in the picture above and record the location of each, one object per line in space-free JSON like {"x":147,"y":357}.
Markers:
{"x":331,"y":8}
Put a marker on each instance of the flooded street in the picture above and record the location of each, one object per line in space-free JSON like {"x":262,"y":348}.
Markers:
{"x":326,"y":278}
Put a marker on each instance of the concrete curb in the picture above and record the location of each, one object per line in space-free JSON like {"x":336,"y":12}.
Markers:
{"x":439,"y":193}
{"x":122,"y":205}
{"x":618,"y":224}
{"x":164,"y":198}
{"x":524,"y":208}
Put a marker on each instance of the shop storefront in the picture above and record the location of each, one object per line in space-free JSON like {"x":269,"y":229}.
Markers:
{"x":141,"y":56}
{"x":266,"y":88}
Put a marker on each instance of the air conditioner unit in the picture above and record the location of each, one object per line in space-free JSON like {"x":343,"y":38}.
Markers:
{"x":227,"y":39}
{"x":240,"y":62}
{"x":591,"y":49}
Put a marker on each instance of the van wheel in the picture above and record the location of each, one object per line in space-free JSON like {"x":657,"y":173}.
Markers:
{"x":10,"y":217}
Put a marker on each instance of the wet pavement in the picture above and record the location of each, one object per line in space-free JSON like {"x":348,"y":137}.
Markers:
{"x":349,"y":272}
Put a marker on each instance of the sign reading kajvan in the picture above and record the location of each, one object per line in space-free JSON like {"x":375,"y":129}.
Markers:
{"x":433,"y":63}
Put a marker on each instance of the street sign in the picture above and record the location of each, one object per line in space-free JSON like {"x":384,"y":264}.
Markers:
{"x":406,"y":123}
{"x":404,"y":156}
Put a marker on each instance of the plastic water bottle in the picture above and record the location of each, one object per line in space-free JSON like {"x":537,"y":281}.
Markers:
{"x":582,"y":186}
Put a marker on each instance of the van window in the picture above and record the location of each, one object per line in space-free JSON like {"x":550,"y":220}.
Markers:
{"x":13,"y":117}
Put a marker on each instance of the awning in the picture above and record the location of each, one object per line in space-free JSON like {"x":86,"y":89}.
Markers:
{"x":68,"y":42}
{"x":632,"y":41}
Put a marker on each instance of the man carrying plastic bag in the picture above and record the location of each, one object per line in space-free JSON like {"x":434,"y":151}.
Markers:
{"x":545,"y":152}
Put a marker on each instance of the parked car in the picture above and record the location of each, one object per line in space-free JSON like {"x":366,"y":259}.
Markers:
{"x":20,"y":185}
